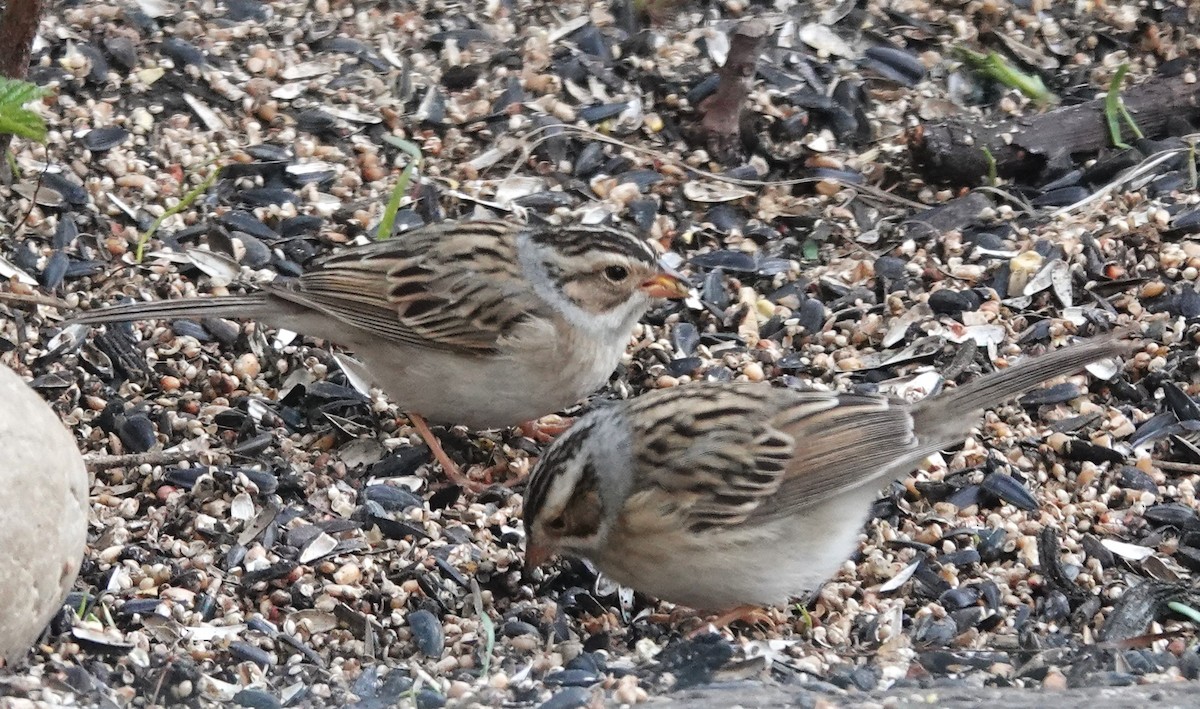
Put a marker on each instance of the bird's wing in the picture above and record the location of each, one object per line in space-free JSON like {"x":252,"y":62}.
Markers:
{"x":863,"y":440}
{"x":451,"y":286}
{"x":730,"y":453}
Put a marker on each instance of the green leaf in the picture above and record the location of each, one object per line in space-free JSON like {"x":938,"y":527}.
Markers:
{"x":15,"y":119}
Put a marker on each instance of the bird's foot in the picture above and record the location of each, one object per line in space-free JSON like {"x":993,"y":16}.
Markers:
{"x":451,"y":469}
{"x":545,"y":429}
{"x":749,"y":614}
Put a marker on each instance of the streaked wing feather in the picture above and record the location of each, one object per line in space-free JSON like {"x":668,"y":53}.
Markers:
{"x":730,"y":453}
{"x":715,"y":449}
{"x":761,"y":469}
{"x":454,"y":286}
{"x":360,"y":313}
{"x":863,"y":441}
{"x":736,"y":452}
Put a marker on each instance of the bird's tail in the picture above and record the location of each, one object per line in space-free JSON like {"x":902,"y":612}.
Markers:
{"x":964,"y":404}
{"x":226,"y":306}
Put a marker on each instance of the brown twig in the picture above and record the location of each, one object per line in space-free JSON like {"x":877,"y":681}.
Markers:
{"x":100,"y":461}
{"x":1175,"y":467}
{"x":953,"y":152}
{"x":33,"y":299}
{"x":18,"y":25}
{"x":721,"y":124}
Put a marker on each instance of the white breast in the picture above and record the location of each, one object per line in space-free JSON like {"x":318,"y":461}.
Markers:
{"x":540,"y":376}
{"x":764,"y":566}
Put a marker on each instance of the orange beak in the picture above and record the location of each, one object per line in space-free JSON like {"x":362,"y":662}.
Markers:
{"x":666,"y":285}
{"x":535,"y":556}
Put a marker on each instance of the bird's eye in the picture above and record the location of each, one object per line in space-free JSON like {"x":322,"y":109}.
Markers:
{"x":616,"y":274}
{"x":557,"y":524}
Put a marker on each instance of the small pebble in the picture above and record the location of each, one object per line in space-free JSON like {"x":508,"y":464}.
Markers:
{"x":246,"y":366}
{"x":347,"y":574}
{"x":1055,"y":681}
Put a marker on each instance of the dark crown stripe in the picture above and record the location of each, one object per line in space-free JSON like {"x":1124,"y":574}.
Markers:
{"x":575,"y":241}
{"x":551,"y":465}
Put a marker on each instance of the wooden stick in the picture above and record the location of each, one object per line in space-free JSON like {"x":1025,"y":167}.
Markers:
{"x":952,"y":152}
{"x":1175,"y":467}
{"x":18,"y":25}
{"x":102,"y":461}
{"x":33,"y":299}
{"x":722,"y":121}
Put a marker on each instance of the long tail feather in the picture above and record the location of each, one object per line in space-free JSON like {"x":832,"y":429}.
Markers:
{"x":230,"y":306}
{"x":964,"y":403}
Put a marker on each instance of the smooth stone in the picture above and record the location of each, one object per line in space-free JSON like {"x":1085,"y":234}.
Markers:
{"x":43,"y":514}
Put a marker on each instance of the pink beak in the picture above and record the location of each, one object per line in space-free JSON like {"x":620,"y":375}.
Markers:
{"x":665,"y":285}
{"x":535,"y":556}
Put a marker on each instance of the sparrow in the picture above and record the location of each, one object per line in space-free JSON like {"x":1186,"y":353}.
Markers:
{"x":737,"y":495}
{"x":482,"y":323}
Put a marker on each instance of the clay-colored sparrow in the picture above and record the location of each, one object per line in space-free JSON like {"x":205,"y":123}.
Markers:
{"x":482,"y":323}
{"x":718,"y":495}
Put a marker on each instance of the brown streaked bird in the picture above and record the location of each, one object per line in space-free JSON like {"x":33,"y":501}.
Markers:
{"x":480,"y":323}
{"x":722,"y":496}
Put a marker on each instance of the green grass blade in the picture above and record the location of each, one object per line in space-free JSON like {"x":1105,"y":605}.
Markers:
{"x":489,"y":630}
{"x":191,"y":196}
{"x":1186,"y":611}
{"x":1191,"y":165}
{"x":994,"y":66}
{"x":388,"y":221}
{"x":1114,"y":109}
{"x":991,"y":163}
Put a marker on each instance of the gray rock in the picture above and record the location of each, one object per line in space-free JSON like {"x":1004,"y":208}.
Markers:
{"x":765,"y":695}
{"x":43,"y":514}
